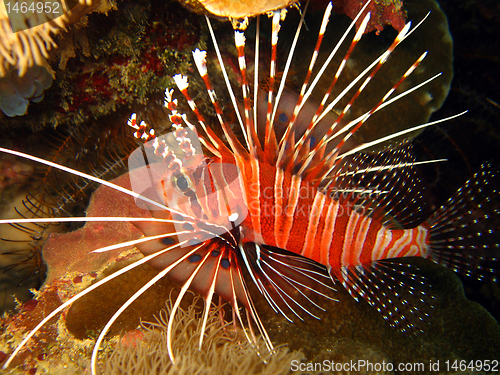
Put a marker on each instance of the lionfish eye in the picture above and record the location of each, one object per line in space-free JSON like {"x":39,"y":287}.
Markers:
{"x":181,"y":182}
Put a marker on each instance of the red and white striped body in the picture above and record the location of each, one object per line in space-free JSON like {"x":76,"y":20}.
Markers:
{"x":291,"y":214}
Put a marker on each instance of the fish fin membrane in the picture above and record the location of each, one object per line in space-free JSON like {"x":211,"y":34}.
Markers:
{"x":465,"y":231}
{"x":385,"y":183}
{"x":291,"y":284}
{"x":395,"y":288}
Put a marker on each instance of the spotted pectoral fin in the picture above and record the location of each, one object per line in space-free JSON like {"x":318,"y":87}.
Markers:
{"x":290,"y":283}
{"x":396,"y":289}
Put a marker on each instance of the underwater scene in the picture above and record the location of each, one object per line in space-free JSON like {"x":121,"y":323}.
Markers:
{"x":268,"y":187}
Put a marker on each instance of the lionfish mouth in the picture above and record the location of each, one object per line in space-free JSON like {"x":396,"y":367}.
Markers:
{"x":234,"y":220}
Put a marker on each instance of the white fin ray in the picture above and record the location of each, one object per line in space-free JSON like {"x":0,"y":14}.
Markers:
{"x":226,"y":79}
{"x":89,"y":177}
{"x":338,"y":147}
{"x":387,"y":167}
{"x":288,"y":63}
{"x":383,"y":105}
{"x":383,"y":56}
{"x":256,"y":74}
{"x":136,"y":295}
{"x":332,"y":54}
{"x":84,"y":219}
{"x":378,"y":61}
{"x":367,"y":145}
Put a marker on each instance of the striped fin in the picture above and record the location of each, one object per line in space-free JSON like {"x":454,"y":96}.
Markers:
{"x":317,"y":153}
{"x":269,"y":138}
{"x":312,"y":63}
{"x":336,"y":150}
{"x":291,"y":141}
{"x":239,"y":39}
{"x":183,"y":84}
{"x":332,"y":158}
{"x":306,"y":136}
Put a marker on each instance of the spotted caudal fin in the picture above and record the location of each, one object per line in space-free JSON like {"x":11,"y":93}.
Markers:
{"x":465,"y":232}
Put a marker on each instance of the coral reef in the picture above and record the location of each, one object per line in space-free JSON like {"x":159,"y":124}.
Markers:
{"x":113,"y":60}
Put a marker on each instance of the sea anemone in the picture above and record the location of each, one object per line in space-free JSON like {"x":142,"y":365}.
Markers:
{"x":222,"y":351}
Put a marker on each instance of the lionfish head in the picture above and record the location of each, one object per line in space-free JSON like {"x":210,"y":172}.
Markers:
{"x":204,"y":197}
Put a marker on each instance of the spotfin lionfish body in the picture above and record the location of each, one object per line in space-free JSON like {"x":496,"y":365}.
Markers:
{"x":294,"y":212}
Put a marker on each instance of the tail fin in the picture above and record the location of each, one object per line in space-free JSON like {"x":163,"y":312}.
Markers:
{"x":465,"y":232}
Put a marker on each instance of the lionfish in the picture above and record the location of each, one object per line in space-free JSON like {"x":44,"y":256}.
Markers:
{"x":291,"y":211}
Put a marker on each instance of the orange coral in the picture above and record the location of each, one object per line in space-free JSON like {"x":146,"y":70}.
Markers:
{"x":236,"y":9}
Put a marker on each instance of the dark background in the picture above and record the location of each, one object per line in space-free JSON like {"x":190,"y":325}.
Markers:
{"x":474,"y":138}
